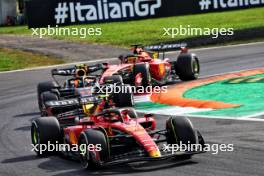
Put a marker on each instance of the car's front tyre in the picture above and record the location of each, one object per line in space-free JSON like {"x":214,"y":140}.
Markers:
{"x":93,"y":159}
{"x":43,"y":131}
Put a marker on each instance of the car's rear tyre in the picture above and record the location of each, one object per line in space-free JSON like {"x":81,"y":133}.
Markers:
{"x":45,"y":97}
{"x":49,"y":96}
{"x":142,"y":68}
{"x":125,"y":97}
{"x":187,"y":67}
{"x":43,"y":131}
{"x":93,"y":159}
{"x":180,"y":131}
{"x":44,"y":87}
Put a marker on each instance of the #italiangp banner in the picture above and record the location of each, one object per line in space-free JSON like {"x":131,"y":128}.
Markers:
{"x":42,"y":13}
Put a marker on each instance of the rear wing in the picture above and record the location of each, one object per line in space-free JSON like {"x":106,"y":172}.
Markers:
{"x":63,"y":72}
{"x":166,"y":47}
{"x":62,"y":103}
{"x":72,"y":102}
{"x":73,"y":70}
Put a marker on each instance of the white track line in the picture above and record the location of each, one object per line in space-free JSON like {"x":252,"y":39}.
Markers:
{"x":246,"y":118}
{"x":218,"y":47}
{"x":60,"y":65}
{"x":231,"y":72}
{"x":243,"y":118}
{"x":227,"y":46}
{"x":112,"y":59}
{"x":254,"y":115}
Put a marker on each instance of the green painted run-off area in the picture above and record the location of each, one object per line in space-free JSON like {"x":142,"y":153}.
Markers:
{"x":247,"y":91}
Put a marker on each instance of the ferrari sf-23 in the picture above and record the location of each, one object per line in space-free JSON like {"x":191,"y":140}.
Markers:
{"x":123,"y":136}
{"x":148,"y":65}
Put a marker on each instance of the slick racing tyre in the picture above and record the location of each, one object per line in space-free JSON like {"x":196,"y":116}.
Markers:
{"x":122,"y":98}
{"x":43,"y":131}
{"x":180,"y":131}
{"x":125,"y":97}
{"x":45,"y":97}
{"x":93,"y":159}
{"x":187,"y":67}
{"x":143,"y":69}
{"x":48,"y":96}
{"x":44,"y":87}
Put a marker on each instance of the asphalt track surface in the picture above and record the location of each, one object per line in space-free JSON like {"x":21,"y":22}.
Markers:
{"x":18,"y":106}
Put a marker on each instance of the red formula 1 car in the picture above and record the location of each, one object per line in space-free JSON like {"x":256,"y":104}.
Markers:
{"x":145,"y":66}
{"x":117,"y":136}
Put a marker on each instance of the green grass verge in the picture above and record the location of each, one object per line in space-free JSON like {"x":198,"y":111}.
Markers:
{"x":151,"y":31}
{"x":11,"y":59}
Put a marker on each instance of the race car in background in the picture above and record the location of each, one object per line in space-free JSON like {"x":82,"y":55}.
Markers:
{"x":144,"y":67}
{"x":121,"y":135}
{"x":148,"y":66}
{"x":80,"y":85}
{"x":53,"y":90}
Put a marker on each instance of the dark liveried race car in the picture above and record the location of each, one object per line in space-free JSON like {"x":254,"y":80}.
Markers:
{"x":53,"y":90}
{"x":80,"y":85}
{"x":86,"y":105}
{"x":148,"y":66}
{"x":119,"y":135}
